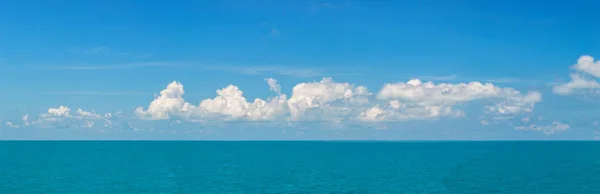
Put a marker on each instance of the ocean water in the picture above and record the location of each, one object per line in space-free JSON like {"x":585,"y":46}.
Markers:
{"x":299,"y":167}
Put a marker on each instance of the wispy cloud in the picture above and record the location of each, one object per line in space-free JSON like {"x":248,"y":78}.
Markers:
{"x":107,"y":51}
{"x":278,"y":70}
{"x":437,"y":78}
{"x":272,"y":27}
{"x":112,"y":67}
{"x":96,"y":93}
{"x":325,"y":4}
{"x":507,"y":80}
{"x":97,"y":50}
{"x":500,"y":80}
{"x":275,"y":32}
{"x":245,"y":70}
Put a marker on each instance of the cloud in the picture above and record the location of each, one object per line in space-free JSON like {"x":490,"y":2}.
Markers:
{"x":275,"y":32}
{"x":169,"y":102}
{"x":583,"y":80}
{"x":587,"y":65}
{"x":499,"y":80}
{"x":107,"y":51}
{"x":273,"y":86}
{"x":330,"y":101}
{"x":96,"y":93}
{"x":550,"y":129}
{"x":319,"y":102}
{"x":413,"y":112}
{"x":506,"y":80}
{"x":438,"y":78}
{"x":12,"y":125}
{"x":325,"y":4}
{"x":97,"y":50}
{"x":577,"y":83}
{"x":484,"y":122}
{"x":431,"y":100}
{"x":229,"y":104}
{"x":112,"y":67}
{"x":62,"y":117}
{"x":274,"y":70}
{"x":325,"y":100}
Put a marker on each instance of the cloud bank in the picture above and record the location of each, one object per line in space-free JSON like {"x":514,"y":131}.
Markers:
{"x":324,"y":101}
{"x":330,"y":101}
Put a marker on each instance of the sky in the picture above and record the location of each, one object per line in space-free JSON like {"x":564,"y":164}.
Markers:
{"x":299,"y":70}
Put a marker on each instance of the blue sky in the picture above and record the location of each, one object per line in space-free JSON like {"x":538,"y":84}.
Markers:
{"x":115,"y":56}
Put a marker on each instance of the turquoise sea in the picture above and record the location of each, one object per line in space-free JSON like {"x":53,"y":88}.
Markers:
{"x":299,"y":167}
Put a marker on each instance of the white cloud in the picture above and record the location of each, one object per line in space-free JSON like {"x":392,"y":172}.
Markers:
{"x":438,"y":78}
{"x":107,"y":51}
{"x":412,"y":112}
{"x":273,"y":86}
{"x":587,"y":64}
{"x":275,"y":32}
{"x":62,"y":117}
{"x":577,"y":83}
{"x":327,"y":100}
{"x":112,"y":67}
{"x":12,"y":125}
{"x":169,"y":103}
{"x":88,"y":124}
{"x":430,"y":93}
{"x":439,"y":98}
{"x":95,"y":93}
{"x":270,"y":70}
{"x":515,"y":104}
{"x":229,"y":104}
{"x":85,"y":114}
{"x":61,"y":111}
{"x":484,"y":122}
{"x":553,"y":128}
{"x":584,"y":79}
{"x":319,"y":101}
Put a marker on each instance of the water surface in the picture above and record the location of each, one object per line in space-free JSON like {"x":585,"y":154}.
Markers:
{"x":298,"y":167}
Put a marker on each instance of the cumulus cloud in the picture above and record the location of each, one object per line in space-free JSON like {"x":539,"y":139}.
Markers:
{"x":229,"y":104}
{"x":587,"y":64}
{"x":61,"y":111}
{"x":550,"y":129}
{"x":327,"y":100}
{"x":587,"y":71}
{"x":167,"y":104}
{"x":337,"y":103}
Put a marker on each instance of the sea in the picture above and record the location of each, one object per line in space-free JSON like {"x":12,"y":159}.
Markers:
{"x":299,"y":167}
